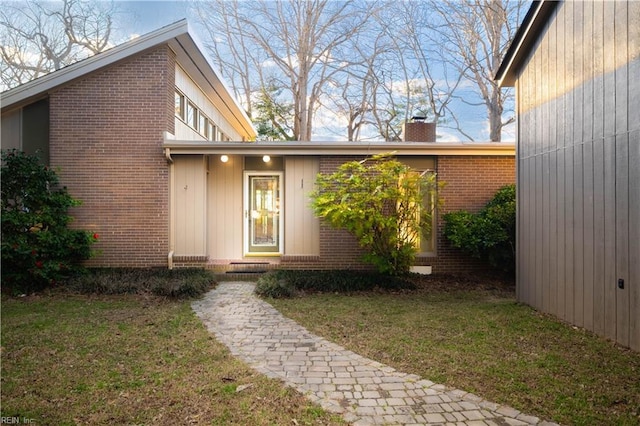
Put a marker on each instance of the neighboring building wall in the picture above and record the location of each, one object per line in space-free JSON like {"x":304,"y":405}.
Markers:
{"x":106,"y":137}
{"x":579,"y":169}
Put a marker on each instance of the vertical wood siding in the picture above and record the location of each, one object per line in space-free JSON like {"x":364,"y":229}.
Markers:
{"x":578,"y":169}
{"x":225,"y":208}
{"x":189,"y":205}
{"x":302,"y":227}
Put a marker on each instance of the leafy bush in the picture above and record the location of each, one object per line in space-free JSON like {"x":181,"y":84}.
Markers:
{"x":490,"y":234}
{"x":381,"y":201}
{"x":176,"y":283}
{"x":272,"y":285}
{"x":288,"y":283}
{"x":38,"y":248}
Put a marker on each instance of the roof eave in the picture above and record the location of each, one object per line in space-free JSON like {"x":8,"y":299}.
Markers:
{"x":180,"y":39}
{"x":339,"y":148}
{"x":192,"y":48}
{"x":39,"y":87}
{"x":533,"y":23}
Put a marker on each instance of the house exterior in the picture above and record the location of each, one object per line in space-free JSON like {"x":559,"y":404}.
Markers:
{"x":164,"y":160}
{"x":576,"y":70}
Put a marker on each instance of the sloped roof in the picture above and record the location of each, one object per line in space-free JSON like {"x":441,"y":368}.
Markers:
{"x":532,"y":25}
{"x":189,"y":55}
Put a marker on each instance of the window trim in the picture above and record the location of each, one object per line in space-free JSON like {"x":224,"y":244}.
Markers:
{"x":181,"y":109}
{"x":209,"y":130}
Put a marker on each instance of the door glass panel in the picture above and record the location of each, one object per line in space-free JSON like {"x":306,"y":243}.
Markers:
{"x":264,"y":214}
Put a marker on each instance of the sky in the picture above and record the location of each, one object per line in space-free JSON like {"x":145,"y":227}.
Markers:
{"x":141,"y":17}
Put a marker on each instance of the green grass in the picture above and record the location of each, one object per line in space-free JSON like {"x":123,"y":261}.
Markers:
{"x":131,"y":359}
{"x":482,"y":341}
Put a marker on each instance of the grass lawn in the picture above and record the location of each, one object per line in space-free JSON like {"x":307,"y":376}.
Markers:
{"x":131,"y":359}
{"x":482,"y":341}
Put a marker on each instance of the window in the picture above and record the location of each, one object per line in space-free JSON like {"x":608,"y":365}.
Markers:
{"x":426,"y":244}
{"x":179,"y":105}
{"x":211,"y":133}
{"x":203,"y":125}
{"x":428,"y":240}
{"x":192,"y":115}
{"x":195,"y":118}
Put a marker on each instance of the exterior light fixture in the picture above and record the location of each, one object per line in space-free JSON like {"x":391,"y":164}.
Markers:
{"x":266,"y":158}
{"x":224,"y":158}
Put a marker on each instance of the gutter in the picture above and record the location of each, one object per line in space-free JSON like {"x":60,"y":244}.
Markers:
{"x":533,"y":23}
{"x":175,"y":147}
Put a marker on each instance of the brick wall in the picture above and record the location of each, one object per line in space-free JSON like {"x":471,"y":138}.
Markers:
{"x":106,"y":138}
{"x":338,"y":248}
{"x":471,"y":181}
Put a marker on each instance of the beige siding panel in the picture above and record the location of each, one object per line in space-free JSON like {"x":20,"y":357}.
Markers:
{"x":11,"y":127}
{"x":302,"y":228}
{"x":184,"y":132}
{"x":225,"y":208}
{"x":187,"y":86}
{"x":190,"y":196}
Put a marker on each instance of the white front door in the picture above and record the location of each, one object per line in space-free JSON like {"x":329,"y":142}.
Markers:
{"x":263,"y":223}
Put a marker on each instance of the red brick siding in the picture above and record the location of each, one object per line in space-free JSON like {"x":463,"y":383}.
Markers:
{"x":471,"y":181}
{"x":338,"y":248}
{"x":419,"y":132}
{"x":106,"y":138}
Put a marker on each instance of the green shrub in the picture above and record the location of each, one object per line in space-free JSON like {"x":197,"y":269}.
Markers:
{"x":490,"y":234}
{"x":381,"y":202}
{"x":38,"y":248}
{"x":176,"y":283}
{"x":271,"y":285}
{"x":288,"y":283}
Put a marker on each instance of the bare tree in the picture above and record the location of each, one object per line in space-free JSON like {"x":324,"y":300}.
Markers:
{"x":39,"y":37}
{"x":233,"y":50}
{"x":351,"y":93}
{"x":476,"y":35}
{"x":412,"y":79}
{"x":302,"y":40}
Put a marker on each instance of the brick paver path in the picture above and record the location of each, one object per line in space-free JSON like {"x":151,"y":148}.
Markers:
{"x":363,"y":391}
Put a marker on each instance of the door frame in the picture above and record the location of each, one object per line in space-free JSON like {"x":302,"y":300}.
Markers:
{"x":246,"y":234}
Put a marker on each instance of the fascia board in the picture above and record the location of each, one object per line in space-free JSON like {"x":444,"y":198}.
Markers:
{"x":189,"y":55}
{"x":332,"y":148}
{"x":40,"y":86}
{"x":533,"y":23}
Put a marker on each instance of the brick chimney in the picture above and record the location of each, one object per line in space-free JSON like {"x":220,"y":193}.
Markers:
{"x":417,"y":130}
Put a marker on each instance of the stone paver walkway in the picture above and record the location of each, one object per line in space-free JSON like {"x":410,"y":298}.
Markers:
{"x":363,"y":391}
